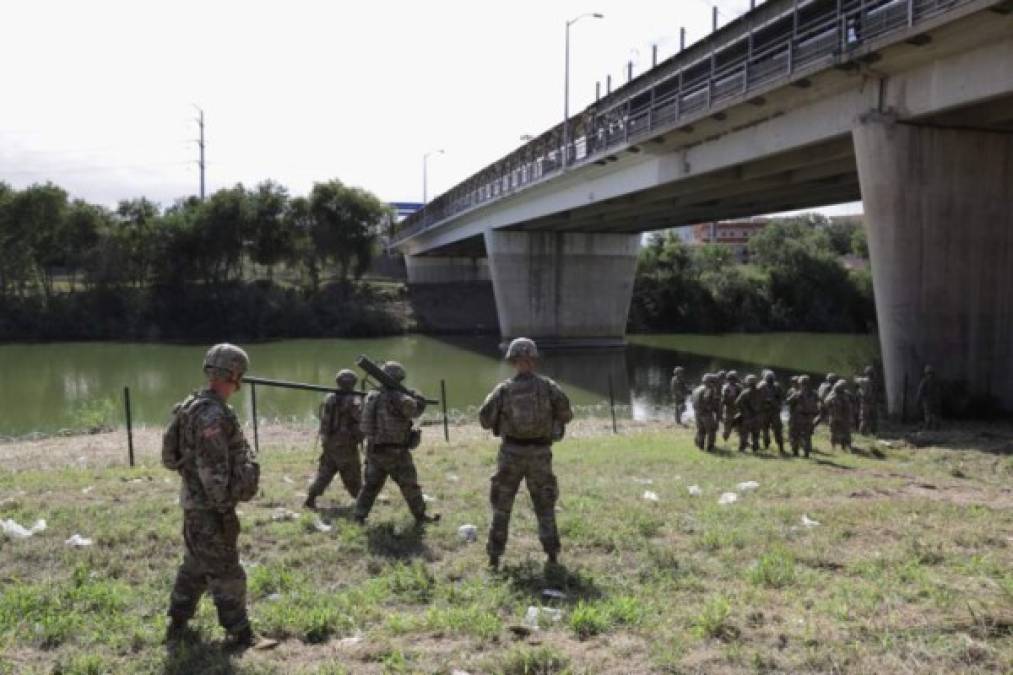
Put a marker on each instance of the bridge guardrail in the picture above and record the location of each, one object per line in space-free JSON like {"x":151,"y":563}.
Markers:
{"x":800,"y":41}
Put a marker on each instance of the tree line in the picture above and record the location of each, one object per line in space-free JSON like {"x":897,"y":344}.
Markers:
{"x":46,"y":236}
{"x":794,"y":281}
{"x":138,"y":270}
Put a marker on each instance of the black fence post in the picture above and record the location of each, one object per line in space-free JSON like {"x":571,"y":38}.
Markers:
{"x":612,"y":405}
{"x":130,"y":427}
{"x":903,"y":402}
{"x":443,"y":402}
{"x":253,"y":404}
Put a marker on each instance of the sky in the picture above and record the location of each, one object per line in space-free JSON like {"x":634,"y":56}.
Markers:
{"x":100,"y":97}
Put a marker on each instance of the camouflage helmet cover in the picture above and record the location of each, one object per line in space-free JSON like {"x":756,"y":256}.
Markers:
{"x":678,"y":370}
{"x":227,"y":360}
{"x":709,"y":378}
{"x":394,"y":370}
{"x":751,"y":380}
{"x":803,"y":380}
{"x":832,"y":377}
{"x":768,"y":375}
{"x":721,"y":374}
{"x":346,"y":379}
{"x":870,"y":371}
{"x":732,"y":375}
{"x":929,"y":370}
{"x":521,"y":348}
{"x":841,"y":385}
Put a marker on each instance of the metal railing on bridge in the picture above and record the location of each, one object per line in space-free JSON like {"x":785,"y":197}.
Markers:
{"x":808,"y":35}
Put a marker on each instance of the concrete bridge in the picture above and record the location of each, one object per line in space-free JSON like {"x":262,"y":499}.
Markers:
{"x":905,"y":104}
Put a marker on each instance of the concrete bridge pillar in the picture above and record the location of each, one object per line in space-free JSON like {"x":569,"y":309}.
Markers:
{"x":939,"y":219}
{"x":445,"y":269}
{"x":574,"y":288}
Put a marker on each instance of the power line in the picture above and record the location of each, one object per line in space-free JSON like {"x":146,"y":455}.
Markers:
{"x":200,"y":143}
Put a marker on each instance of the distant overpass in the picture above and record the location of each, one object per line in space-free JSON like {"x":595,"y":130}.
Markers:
{"x":906,"y":104}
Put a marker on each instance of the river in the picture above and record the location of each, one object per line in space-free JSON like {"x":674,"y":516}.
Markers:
{"x":48,"y":387}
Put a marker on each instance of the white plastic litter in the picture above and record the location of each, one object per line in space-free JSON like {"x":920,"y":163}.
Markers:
{"x":535,"y":614}
{"x":728,"y":498}
{"x":350,"y":641}
{"x":453,"y":477}
{"x":747,"y":486}
{"x":695,"y":490}
{"x":288,"y":479}
{"x":554,"y":594}
{"x":643,"y":481}
{"x":274,"y":597}
{"x":650,"y":496}
{"x":87,"y":490}
{"x":428,"y":499}
{"x":282,"y":514}
{"x":78,"y":541}
{"x":13,"y":530}
{"x":468,"y":533}
{"x":321,"y":526}
{"x":808,"y":522}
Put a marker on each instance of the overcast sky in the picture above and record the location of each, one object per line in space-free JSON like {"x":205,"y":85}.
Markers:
{"x":97,"y":96}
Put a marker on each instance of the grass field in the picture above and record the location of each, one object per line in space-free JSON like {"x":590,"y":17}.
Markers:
{"x":909,"y":570}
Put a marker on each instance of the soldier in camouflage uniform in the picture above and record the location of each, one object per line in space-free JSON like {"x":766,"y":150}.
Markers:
{"x":868,"y":416}
{"x":528,"y":412}
{"x":706,"y":407}
{"x":729,"y":393}
{"x":749,"y":417}
{"x":803,"y":409}
{"x":680,"y":392}
{"x":929,"y":399}
{"x":205,"y":444}
{"x":340,"y":437}
{"x":387,"y":424}
{"x":721,"y":377}
{"x":773,"y":398}
{"x":826,"y":386}
{"x":839,"y":409}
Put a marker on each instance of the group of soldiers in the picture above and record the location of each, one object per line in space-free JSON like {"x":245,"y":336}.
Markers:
{"x":204,"y":443}
{"x":753,"y":406}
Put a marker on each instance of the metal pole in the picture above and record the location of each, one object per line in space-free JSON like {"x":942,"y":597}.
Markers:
{"x":612,"y":405}
{"x":903,"y":403}
{"x":253,"y":404}
{"x":566,"y":99}
{"x":130,"y":426}
{"x":443,"y":401}
{"x":425,"y":187}
{"x":682,"y":39}
{"x":714,"y":18}
{"x":654,"y":55}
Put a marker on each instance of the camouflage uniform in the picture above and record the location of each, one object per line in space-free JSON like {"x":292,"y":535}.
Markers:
{"x":803,"y":409}
{"x":528,"y":412}
{"x":706,"y":409}
{"x":773,"y":398}
{"x":217,"y":469}
{"x":721,"y":377}
{"x":680,"y":392}
{"x":750,"y":414}
{"x":729,"y":393}
{"x":839,"y":408}
{"x":340,"y":437}
{"x":868,"y":417}
{"x":929,"y":399}
{"x":387,"y":424}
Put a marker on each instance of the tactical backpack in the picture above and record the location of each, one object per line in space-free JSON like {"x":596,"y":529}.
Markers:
{"x":529,"y":412}
{"x":173,"y":445}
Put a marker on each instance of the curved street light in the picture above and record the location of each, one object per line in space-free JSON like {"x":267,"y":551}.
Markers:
{"x":566,"y":85}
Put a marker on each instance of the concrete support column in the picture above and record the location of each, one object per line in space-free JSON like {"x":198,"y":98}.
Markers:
{"x":574,"y":288}
{"x":445,"y":270}
{"x":939,"y":218}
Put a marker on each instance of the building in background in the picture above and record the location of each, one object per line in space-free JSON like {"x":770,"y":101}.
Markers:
{"x":733,"y":234}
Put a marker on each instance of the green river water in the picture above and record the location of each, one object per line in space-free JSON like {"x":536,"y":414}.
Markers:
{"x":48,"y":387}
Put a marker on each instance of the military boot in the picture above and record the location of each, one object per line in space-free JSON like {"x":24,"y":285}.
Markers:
{"x":310,"y":503}
{"x":178,"y":631}
{"x":493,"y":561}
{"x":425,"y":518}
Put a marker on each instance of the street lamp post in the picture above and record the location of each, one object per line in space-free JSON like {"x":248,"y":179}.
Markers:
{"x":425,"y":174}
{"x":566,"y":86}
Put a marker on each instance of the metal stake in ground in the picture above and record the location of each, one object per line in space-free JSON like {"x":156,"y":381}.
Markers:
{"x":130,"y":428}
{"x":253,"y":404}
{"x":612,"y":405}
{"x":443,"y":401}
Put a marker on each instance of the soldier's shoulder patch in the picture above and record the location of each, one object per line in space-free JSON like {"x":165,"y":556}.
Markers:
{"x":211,"y":431}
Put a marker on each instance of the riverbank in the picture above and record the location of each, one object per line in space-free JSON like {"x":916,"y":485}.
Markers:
{"x":892,"y":559}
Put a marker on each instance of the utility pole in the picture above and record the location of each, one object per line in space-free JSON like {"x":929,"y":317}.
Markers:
{"x":200,"y":144}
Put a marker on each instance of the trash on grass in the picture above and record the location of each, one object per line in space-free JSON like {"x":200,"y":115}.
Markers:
{"x":748,"y":485}
{"x":650,"y":496}
{"x":554,"y":594}
{"x":728,"y":498}
{"x":14,"y":530}
{"x":643,"y":481}
{"x":321,"y":526}
{"x":288,"y":479}
{"x":87,"y":490}
{"x":695,"y":490}
{"x":808,"y":522}
{"x":468,"y":533}
{"x":428,"y":499}
{"x":282,"y":514}
{"x":535,"y":614}
{"x":78,"y":541}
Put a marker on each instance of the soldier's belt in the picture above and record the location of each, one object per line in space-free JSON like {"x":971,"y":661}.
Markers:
{"x":513,"y":440}
{"x":383,"y":447}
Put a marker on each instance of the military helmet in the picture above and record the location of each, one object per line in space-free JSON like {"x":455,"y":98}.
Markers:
{"x":522,"y":348}
{"x":751,"y":380}
{"x":722,"y":374}
{"x":226,"y":360}
{"x":870,"y":371}
{"x":769,"y":376}
{"x":832,"y":377}
{"x":793,"y":379}
{"x":732,"y":375}
{"x":709,"y":378}
{"x":803,"y":379}
{"x":394,"y":370}
{"x":346,"y":379}
{"x":929,"y":370}
{"x":678,"y":370}
{"x":841,"y":385}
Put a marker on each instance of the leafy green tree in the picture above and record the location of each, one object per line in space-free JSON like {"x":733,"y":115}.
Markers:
{"x":136,"y":220}
{"x":860,"y":243}
{"x":304,"y":254}
{"x":84,"y":226}
{"x":273,"y":238}
{"x":223,"y":226}
{"x":344,"y":225}
{"x":38,"y":217}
